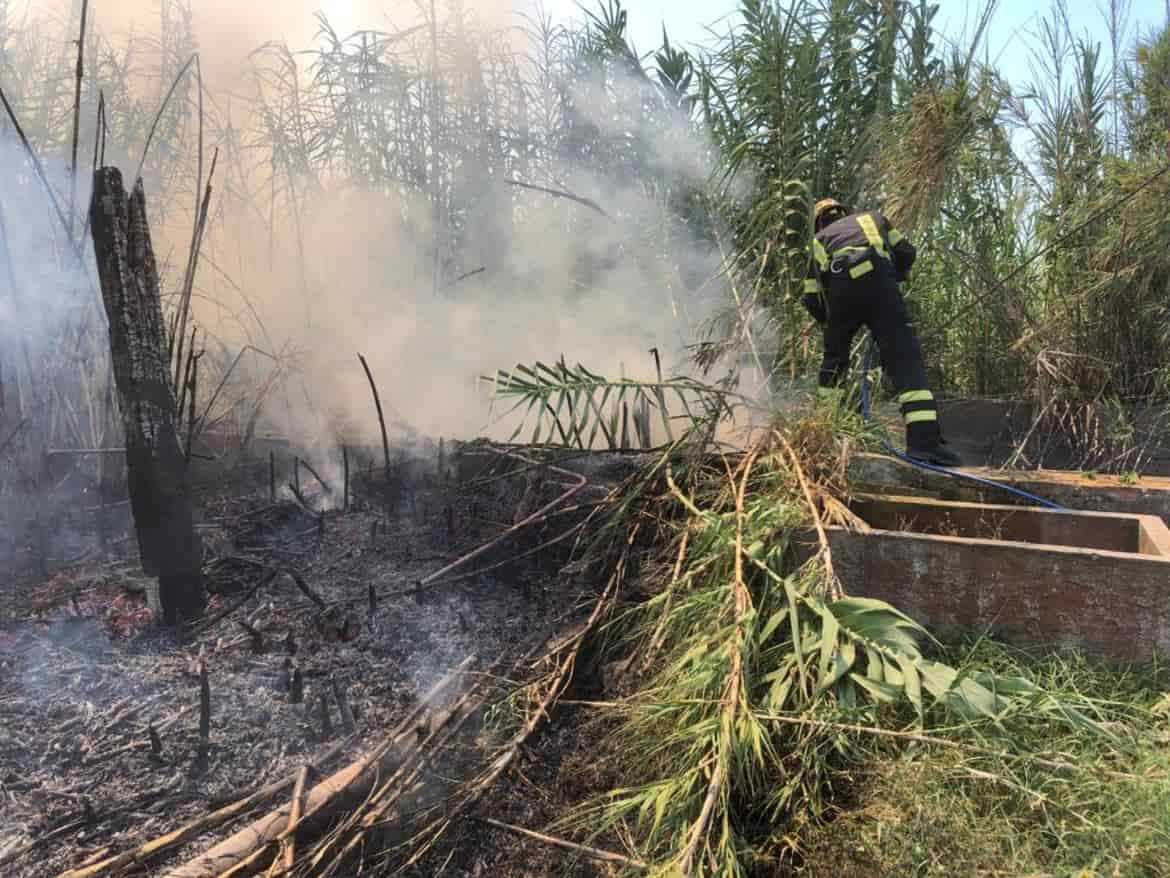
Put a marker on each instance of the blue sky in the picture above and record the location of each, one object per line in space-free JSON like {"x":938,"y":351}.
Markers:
{"x":1010,"y":40}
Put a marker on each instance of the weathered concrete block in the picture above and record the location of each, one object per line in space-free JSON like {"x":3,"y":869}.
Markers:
{"x":1109,"y":603}
{"x":1111,"y":532}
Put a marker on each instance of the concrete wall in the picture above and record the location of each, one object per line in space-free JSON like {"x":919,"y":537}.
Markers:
{"x":1109,"y":604}
{"x":1023,"y":524}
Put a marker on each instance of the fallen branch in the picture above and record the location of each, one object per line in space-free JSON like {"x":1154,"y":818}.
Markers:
{"x":732,"y":693}
{"x":151,"y":849}
{"x":579,"y":482}
{"x":314,"y":474}
{"x":321,"y":800}
{"x":832,"y":584}
{"x":560,"y":193}
{"x":294,"y":817}
{"x":387,"y":794}
{"x":295,"y":490}
{"x":305,"y":589}
{"x":560,"y":677}
{"x":208,"y":624}
{"x":594,"y":853}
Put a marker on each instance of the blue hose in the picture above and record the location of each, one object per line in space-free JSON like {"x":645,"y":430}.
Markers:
{"x":929,"y":467}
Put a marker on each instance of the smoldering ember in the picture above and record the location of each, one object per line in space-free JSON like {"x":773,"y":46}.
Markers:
{"x":451,"y":439}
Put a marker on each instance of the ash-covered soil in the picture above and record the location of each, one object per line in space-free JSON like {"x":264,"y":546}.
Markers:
{"x":99,"y":712}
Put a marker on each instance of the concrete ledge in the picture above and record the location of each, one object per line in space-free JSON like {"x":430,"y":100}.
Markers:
{"x":1111,"y":532}
{"x":1150,"y":495}
{"x":1115,"y":605}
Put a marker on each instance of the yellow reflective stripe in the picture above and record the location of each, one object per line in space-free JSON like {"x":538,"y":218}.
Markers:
{"x":820,"y":254}
{"x":918,"y":417}
{"x":915,"y":396}
{"x":872,"y":235}
{"x":895,"y":237}
{"x":861,"y":269}
{"x":811,"y":286}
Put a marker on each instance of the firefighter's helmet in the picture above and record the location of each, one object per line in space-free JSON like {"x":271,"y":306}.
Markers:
{"x":825,"y":209}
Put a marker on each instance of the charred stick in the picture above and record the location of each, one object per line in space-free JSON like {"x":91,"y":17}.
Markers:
{"x":345,"y":478}
{"x":153,"y":848}
{"x":204,"y":703}
{"x":305,"y":589}
{"x":79,"y":75}
{"x":155,"y":740}
{"x":204,"y":713}
{"x":259,"y":836}
{"x":382,"y":425}
{"x":199,"y":228}
{"x":295,"y":489}
{"x":183,"y":381}
{"x":347,"y":720}
{"x":272,"y":476}
{"x":297,"y":691}
{"x":320,"y":480}
{"x":39,"y":168}
{"x":560,"y":193}
{"x":297,"y":477}
{"x":373,"y":596}
{"x":326,"y":723}
{"x":64,"y":829}
{"x":579,"y":482}
{"x":208,"y":624}
{"x":193,"y":385}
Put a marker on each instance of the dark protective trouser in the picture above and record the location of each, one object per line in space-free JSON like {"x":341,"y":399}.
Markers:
{"x":876,"y":302}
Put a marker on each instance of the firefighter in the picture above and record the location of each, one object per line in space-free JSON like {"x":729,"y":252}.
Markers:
{"x":857,"y":263}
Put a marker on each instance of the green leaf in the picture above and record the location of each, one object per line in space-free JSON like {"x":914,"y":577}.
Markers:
{"x":797,"y":634}
{"x":778,"y":696}
{"x":771,"y":625}
{"x":912,"y":685}
{"x":829,"y":631}
{"x":877,"y":690}
{"x":937,"y":678}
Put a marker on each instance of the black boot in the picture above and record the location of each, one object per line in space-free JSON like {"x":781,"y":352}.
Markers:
{"x":924,"y":442}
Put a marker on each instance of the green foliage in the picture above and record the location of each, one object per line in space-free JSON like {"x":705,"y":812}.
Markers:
{"x":1037,"y":271}
{"x":1048,"y":800}
{"x":576,"y":408}
{"x":1147,"y":97}
{"x":766,"y":684}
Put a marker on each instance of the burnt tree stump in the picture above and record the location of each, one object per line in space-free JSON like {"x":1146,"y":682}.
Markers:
{"x":168,"y":544}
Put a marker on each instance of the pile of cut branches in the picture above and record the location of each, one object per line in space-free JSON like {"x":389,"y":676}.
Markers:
{"x":757,"y":684}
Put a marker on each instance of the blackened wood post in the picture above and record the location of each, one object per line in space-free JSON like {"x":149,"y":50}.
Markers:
{"x":156,"y":467}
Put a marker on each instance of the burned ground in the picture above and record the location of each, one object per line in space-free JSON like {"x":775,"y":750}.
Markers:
{"x":100,"y":748}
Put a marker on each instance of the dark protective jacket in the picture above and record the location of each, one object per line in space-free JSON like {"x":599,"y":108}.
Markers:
{"x":859,"y":247}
